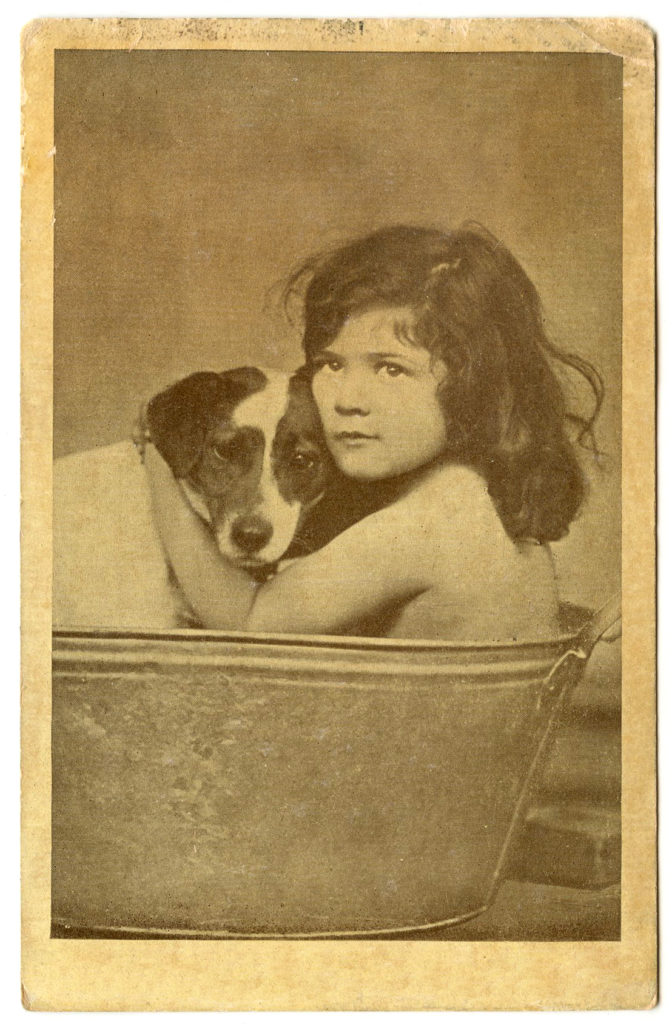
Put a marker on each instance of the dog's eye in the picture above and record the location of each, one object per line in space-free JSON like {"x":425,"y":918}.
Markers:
{"x":227,"y":451}
{"x":304,"y":460}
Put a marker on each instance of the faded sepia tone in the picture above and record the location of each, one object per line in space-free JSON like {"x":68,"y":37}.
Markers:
{"x":187,"y":184}
{"x":383,"y":789}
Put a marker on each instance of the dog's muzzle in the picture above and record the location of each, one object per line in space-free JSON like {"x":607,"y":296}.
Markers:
{"x":251,"y":533}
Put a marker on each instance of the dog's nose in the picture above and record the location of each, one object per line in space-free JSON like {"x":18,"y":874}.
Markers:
{"x":251,"y":533}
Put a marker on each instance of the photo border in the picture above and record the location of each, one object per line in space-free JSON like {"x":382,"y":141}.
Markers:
{"x":281,"y":975}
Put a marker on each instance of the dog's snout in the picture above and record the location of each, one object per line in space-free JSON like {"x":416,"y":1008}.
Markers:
{"x":251,"y":533}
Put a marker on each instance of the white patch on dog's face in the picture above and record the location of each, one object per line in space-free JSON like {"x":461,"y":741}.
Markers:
{"x":263,"y":411}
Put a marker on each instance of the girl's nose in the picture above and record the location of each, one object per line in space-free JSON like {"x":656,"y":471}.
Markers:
{"x":352,"y":398}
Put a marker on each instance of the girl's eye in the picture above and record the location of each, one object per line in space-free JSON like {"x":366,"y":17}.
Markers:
{"x":391,"y":370}
{"x":327,"y":364}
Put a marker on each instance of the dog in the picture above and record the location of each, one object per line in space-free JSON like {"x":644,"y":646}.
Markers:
{"x":246,"y":446}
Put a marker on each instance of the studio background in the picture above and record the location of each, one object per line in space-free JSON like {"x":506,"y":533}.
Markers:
{"x":188,"y":184}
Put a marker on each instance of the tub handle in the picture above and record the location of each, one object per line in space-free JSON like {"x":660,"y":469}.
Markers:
{"x":598,"y":628}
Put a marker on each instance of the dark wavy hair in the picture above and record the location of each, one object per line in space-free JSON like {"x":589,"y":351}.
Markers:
{"x":475,"y":308}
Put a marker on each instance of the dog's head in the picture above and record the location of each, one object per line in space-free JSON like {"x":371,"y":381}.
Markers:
{"x":247,"y":447}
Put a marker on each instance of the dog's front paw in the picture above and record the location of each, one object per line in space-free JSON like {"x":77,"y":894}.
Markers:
{"x":141,"y":435}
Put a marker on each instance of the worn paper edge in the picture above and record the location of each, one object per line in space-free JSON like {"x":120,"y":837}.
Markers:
{"x":379,"y":975}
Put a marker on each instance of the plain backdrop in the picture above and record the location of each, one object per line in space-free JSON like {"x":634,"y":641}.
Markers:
{"x":189,"y":184}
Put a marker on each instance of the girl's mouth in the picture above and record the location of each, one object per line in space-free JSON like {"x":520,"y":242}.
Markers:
{"x":352,"y":436}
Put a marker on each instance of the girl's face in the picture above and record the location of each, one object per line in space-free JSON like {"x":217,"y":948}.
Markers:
{"x":377,"y":396}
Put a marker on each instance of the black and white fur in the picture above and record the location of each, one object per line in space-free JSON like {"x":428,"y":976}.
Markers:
{"x":246,"y":446}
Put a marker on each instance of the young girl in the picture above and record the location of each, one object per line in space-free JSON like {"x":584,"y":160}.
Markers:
{"x":430,"y":370}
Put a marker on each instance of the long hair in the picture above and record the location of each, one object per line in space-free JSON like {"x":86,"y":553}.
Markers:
{"x":474,"y":307}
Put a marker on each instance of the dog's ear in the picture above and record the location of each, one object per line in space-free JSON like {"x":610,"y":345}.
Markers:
{"x":179,"y":418}
{"x":300,"y":387}
{"x":302,"y":379}
{"x":241,"y":382}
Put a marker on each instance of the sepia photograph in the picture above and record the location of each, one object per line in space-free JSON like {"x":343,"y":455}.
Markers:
{"x":337,"y":432}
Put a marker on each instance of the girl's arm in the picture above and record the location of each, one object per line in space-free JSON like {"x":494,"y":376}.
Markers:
{"x":367,"y":567}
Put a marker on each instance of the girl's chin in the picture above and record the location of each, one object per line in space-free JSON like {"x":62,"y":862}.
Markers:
{"x":368,"y":470}
{"x":360,"y":469}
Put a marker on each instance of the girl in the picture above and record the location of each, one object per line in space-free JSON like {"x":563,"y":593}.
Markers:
{"x":430,"y":370}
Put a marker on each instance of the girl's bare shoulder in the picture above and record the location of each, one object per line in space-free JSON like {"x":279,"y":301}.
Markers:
{"x":446,"y":496}
{"x":447,"y":507}
{"x":451,"y":489}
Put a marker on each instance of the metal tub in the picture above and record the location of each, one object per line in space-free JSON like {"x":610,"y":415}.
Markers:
{"x":210,"y":784}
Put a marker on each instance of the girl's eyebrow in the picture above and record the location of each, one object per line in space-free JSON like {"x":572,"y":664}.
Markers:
{"x":397,"y":356}
{"x":325,"y":353}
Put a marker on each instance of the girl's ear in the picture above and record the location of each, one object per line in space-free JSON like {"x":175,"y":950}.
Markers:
{"x":179,"y":418}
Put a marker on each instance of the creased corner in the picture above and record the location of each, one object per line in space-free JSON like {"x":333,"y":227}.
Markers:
{"x":631,"y":39}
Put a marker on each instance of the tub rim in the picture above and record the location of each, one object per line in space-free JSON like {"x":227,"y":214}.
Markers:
{"x":581,"y":617}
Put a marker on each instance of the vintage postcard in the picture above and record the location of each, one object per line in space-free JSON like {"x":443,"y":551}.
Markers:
{"x":338,"y":532}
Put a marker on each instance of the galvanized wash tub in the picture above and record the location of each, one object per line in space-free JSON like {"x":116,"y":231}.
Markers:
{"x":210,"y":784}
